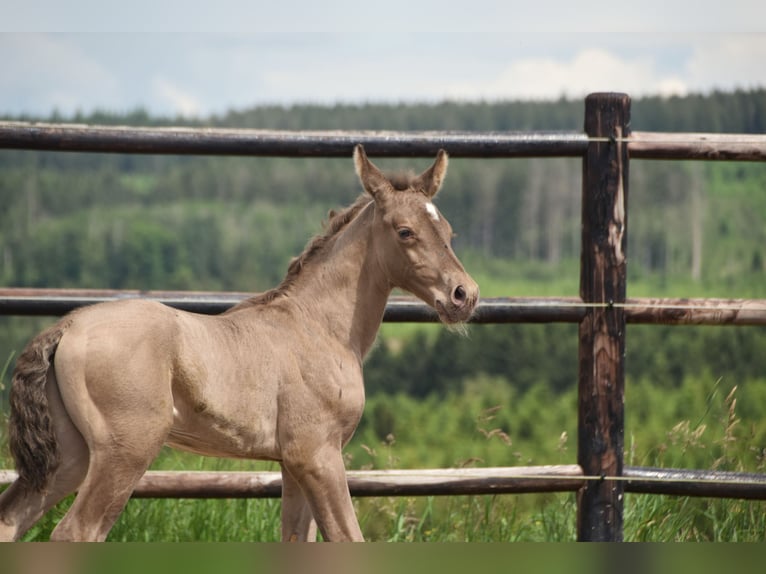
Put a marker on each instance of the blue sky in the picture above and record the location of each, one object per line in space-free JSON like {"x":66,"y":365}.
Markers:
{"x":185,"y":58}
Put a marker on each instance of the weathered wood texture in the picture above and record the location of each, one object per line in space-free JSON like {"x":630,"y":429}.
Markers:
{"x":422,"y":482}
{"x":602,"y":330}
{"x":657,"y":311}
{"x":56,"y":302}
{"x":601,"y":310}
{"x":708,"y":147}
{"x":692,"y":482}
{"x":241,"y":142}
{"x":450,"y":482}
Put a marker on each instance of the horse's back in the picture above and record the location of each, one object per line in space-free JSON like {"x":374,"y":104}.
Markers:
{"x":126,"y":330}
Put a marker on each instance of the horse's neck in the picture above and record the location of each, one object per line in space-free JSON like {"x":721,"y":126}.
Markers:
{"x":345,"y":289}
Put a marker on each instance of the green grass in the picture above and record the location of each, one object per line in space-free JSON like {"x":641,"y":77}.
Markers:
{"x":458,"y":430}
{"x":693,"y":423}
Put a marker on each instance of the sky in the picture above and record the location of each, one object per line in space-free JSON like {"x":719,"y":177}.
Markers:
{"x":183,"y":58}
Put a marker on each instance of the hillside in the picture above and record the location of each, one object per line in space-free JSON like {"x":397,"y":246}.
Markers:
{"x":98,"y":221}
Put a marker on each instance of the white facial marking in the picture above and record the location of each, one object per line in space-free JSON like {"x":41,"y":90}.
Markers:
{"x":431,"y":209}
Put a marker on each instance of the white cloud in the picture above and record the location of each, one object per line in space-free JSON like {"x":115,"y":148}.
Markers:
{"x":590,"y":70}
{"x":169,"y":95}
{"x":201,"y":74}
{"x":728,"y":61}
{"x":41,"y":71}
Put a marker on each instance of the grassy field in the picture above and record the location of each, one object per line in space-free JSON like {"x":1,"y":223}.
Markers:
{"x":488,"y":424}
{"x":704,"y":422}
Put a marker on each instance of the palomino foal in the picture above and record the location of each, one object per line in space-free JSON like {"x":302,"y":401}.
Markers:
{"x":277,"y":377}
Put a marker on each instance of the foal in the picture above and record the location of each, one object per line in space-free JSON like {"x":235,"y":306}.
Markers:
{"x":277,"y":377}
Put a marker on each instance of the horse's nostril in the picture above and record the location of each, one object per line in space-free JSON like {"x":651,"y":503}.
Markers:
{"x":459,"y":294}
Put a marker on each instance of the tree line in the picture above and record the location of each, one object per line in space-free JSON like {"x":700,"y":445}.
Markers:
{"x":530,"y":356}
{"x":163,"y":222}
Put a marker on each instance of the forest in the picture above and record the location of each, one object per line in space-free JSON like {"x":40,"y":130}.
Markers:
{"x":199,"y":223}
{"x":497,"y":395}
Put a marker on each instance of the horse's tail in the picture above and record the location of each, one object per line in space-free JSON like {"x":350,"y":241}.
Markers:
{"x":31,"y":435}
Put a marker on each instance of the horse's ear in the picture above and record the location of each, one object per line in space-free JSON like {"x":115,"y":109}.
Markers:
{"x":372,"y":179}
{"x":430,"y":181}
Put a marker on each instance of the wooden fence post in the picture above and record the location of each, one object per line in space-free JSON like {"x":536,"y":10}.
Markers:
{"x":600,"y":438}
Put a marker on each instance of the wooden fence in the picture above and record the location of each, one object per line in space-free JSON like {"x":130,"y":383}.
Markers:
{"x":602,"y":311}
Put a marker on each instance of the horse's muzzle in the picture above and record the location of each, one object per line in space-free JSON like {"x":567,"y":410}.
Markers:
{"x":460,"y":307}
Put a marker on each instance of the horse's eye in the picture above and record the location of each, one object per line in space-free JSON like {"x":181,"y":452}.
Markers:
{"x":405,"y":233}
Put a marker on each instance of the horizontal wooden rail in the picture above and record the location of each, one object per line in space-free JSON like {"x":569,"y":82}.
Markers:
{"x":684,"y":482}
{"x":450,"y":481}
{"x":607,"y":148}
{"x":725,"y":147}
{"x":222,"y":484}
{"x":335,"y":143}
{"x":56,"y":302}
{"x":243,"y":142}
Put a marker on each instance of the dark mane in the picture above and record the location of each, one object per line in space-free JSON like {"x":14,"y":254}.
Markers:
{"x":336,"y":223}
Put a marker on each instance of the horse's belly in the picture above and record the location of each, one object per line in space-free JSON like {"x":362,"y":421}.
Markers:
{"x":213,"y":436}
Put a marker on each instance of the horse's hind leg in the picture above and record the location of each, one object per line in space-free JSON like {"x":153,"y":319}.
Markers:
{"x":21,"y":506}
{"x":123,"y":406}
{"x":118,"y":459}
{"x":101,"y":498}
{"x":298,"y":524}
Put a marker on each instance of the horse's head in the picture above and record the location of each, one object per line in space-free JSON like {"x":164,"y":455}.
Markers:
{"x":412,"y":239}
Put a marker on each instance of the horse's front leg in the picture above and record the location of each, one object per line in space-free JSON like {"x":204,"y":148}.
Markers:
{"x":321,"y":474}
{"x":298,"y":524}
